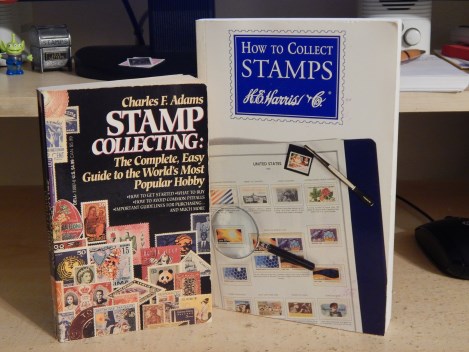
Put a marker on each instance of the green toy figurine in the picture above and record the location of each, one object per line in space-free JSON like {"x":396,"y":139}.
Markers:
{"x":13,"y":53}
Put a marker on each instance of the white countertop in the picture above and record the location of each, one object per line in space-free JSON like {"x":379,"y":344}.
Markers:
{"x":430,"y":310}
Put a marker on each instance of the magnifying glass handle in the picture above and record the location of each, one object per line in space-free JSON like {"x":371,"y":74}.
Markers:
{"x":286,"y":255}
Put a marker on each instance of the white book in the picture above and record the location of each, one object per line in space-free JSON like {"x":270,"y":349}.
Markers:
{"x":275,"y":85}
{"x":429,"y":73}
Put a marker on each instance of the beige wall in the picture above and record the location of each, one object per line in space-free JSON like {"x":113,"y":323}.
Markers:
{"x":431,"y":146}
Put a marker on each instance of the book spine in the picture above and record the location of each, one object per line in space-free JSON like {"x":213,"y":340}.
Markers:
{"x":201,"y":50}
{"x":47,"y":205}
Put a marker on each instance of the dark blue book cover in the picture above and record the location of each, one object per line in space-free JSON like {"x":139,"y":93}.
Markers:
{"x":126,"y":178}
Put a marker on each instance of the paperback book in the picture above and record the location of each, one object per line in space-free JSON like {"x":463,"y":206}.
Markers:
{"x":303,"y":141}
{"x":126,"y":181}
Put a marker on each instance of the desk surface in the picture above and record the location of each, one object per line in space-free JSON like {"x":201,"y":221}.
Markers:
{"x":430,"y":310}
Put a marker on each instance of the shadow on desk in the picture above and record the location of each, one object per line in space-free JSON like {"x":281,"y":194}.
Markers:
{"x":25,"y":292}
{"x":405,"y":244}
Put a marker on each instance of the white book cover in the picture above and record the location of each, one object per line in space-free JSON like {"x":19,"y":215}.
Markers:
{"x":303,"y":117}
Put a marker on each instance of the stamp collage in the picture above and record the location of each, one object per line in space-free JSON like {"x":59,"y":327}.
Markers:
{"x":109,"y":280}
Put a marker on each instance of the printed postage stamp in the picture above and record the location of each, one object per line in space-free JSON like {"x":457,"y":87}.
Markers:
{"x":144,"y":289}
{"x":201,"y":224}
{"x":66,"y":260}
{"x":66,"y":221}
{"x":95,"y":219}
{"x":186,"y":240}
{"x":192,"y":262}
{"x":113,"y":262}
{"x":189,"y":283}
{"x":137,"y":234}
{"x":114,"y":320}
{"x":153,"y":315}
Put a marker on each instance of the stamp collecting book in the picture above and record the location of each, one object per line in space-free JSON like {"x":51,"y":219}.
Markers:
{"x":125,"y":169}
{"x":274,"y":87}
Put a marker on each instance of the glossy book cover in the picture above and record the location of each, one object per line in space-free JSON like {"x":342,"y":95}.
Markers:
{"x":125,"y":167}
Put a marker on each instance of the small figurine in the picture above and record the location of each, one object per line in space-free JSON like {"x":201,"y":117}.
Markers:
{"x":13,"y":53}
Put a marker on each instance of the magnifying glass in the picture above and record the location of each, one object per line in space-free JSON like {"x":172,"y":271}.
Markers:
{"x":236,"y":236}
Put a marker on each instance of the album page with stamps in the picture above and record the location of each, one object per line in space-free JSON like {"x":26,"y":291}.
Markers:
{"x":305,"y":213}
{"x":126,"y":178}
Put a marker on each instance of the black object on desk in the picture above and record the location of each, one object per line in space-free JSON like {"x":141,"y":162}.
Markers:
{"x":446,"y":243}
{"x":102,"y":62}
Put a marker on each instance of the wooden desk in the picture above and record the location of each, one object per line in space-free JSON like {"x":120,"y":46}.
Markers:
{"x":430,"y":310}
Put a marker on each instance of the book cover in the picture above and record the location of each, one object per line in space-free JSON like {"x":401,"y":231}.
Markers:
{"x":126,"y":180}
{"x":277,"y":87}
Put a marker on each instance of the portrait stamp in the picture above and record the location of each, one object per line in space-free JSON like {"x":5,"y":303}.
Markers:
{"x":95,"y":220}
{"x":79,"y":298}
{"x":334,"y":309}
{"x":84,"y":274}
{"x":201,"y":224}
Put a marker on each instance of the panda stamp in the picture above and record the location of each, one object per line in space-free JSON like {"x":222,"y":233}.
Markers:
{"x":163,"y":275}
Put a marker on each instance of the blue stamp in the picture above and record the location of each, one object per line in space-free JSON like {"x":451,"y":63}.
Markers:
{"x":287,"y":76}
